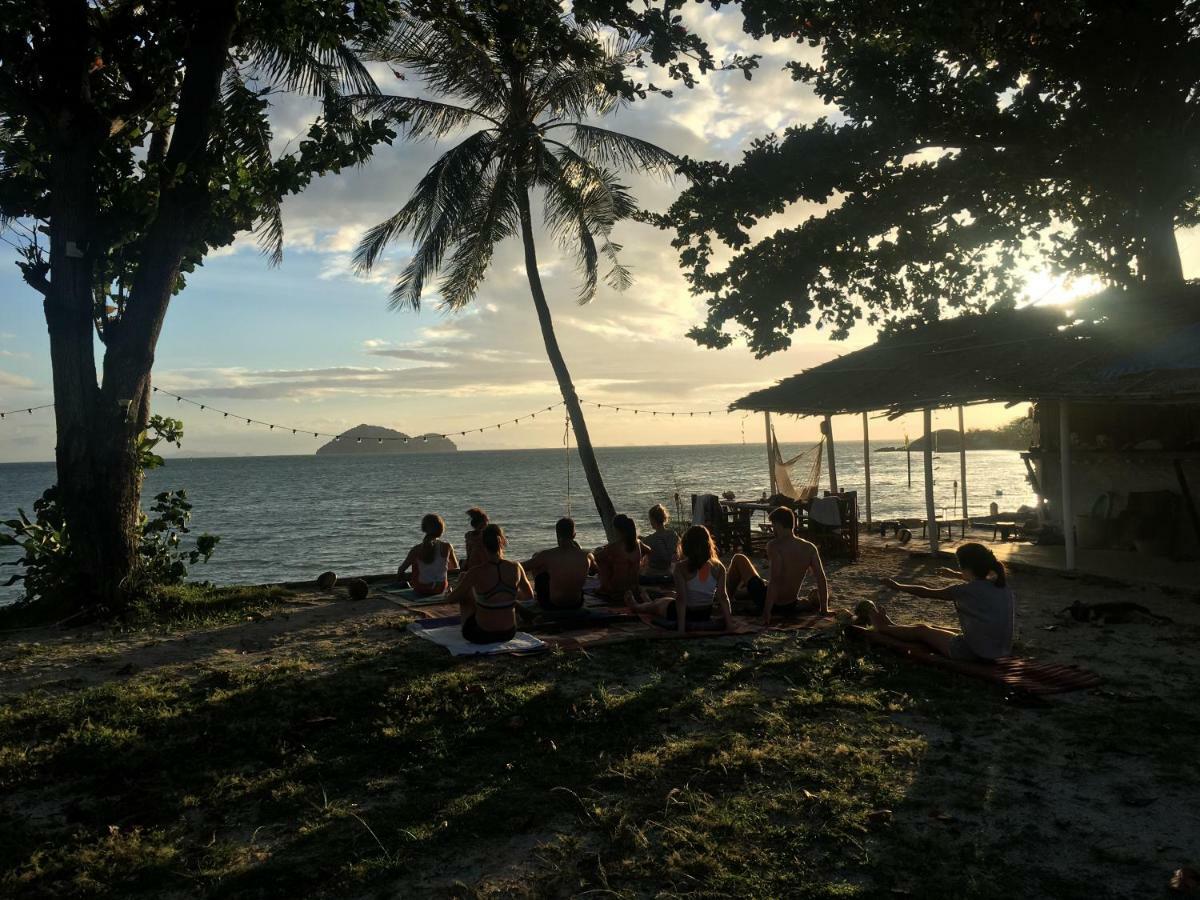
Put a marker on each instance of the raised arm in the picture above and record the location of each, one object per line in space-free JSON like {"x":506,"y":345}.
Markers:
{"x":680,"y":596}
{"x":536,"y":562}
{"x":778,"y":568}
{"x":818,"y":570}
{"x":722,"y":596}
{"x":919,"y":590}
{"x":407,"y":564}
{"x":524,"y":588}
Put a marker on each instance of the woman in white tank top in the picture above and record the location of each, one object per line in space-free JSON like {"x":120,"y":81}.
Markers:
{"x":431,"y":561}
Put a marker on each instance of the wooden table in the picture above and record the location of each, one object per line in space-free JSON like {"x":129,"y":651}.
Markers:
{"x":1005,"y":529}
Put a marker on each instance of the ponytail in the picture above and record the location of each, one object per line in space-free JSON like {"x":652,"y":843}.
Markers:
{"x":434,"y":528}
{"x":981,"y":562}
{"x":493,"y":539}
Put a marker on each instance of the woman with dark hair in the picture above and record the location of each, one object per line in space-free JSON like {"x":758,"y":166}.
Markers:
{"x":699,"y":584}
{"x":431,"y":560}
{"x":488,"y":594}
{"x":620,"y":562}
{"x":471,"y":540}
{"x":985,"y":605}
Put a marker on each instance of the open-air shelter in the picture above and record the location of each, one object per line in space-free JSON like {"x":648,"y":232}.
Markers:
{"x":1115,"y":380}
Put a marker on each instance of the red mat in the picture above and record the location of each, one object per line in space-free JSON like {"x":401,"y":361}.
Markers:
{"x":1010,"y":671}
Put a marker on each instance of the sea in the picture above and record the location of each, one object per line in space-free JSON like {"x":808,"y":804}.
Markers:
{"x":283,"y":518}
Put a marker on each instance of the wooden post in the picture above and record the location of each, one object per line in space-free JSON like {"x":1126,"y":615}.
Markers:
{"x":930,"y":510}
{"x":962,"y":467}
{"x":833,"y":487}
{"x":770,"y":456}
{"x":1064,"y":456}
{"x":867,"y":464}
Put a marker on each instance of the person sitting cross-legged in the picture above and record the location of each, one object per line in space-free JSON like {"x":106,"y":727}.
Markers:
{"x":791,"y":559}
{"x":430,"y":561}
{"x":560,"y":571}
{"x":488,"y":594}
{"x":699,"y":585}
{"x":984,"y":601}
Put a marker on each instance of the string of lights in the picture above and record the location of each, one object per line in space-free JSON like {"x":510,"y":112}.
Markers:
{"x":272,"y":426}
{"x":655,"y":412}
{"x":299,"y":431}
{"x":26,"y":409}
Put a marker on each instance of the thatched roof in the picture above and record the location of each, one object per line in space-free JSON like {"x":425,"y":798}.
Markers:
{"x":1114,"y":347}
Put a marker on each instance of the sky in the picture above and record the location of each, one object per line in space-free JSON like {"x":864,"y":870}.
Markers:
{"x":311,"y":345}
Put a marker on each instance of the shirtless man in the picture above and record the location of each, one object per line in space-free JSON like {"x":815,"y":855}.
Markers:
{"x":559,"y":572}
{"x":790,"y":559}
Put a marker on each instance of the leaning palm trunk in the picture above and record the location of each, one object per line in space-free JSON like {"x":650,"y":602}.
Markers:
{"x":587,"y":456}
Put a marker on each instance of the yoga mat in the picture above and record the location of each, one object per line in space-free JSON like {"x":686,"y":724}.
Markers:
{"x":1010,"y":671}
{"x":447,"y":632}
{"x":409,"y":596}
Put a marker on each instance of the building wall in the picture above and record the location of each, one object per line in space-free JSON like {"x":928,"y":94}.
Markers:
{"x":1103,"y":463}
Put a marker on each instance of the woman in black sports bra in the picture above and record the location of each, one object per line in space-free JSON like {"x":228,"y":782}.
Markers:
{"x":488,"y":594}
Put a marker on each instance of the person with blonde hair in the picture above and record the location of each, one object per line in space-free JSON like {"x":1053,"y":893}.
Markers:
{"x":431,"y":561}
{"x":664,"y":548}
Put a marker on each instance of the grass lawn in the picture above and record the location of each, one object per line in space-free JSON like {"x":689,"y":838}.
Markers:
{"x":790,"y":765}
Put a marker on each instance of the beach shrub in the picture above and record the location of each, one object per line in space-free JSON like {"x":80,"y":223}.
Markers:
{"x":49,"y":569}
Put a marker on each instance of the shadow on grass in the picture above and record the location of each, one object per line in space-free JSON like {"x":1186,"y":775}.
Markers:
{"x":778,"y":767}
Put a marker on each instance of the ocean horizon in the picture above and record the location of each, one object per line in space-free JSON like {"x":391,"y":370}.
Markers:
{"x":290,"y":517}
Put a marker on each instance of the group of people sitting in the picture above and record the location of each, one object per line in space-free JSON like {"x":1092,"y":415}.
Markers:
{"x":682,"y":581}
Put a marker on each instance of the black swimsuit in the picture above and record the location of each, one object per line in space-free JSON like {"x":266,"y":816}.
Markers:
{"x":488,"y":600}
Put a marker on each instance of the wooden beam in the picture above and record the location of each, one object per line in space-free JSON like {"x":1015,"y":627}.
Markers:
{"x":770,"y":456}
{"x":1064,"y":456}
{"x":962,"y":466}
{"x":930,"y":509}
{"x":867,"y":464}
{"x":833,"y":484}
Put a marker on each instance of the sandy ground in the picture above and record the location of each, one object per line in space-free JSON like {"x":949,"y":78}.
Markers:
{"x":1111,"y":810}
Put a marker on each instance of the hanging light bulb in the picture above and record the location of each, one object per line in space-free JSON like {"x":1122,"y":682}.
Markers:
{"x":202,"y":406}
{"x":337,"y":438}
{"x":272,"y":427}
{"x":405,"y":439}
{"x":247,"y":421}
{"x":358,"y":440}
{"x":293,"y":431}
{"x":425,"y":438}
{"x":381,"y":442}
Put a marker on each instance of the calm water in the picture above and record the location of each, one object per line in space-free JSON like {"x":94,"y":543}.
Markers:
{"x":291,"y":517}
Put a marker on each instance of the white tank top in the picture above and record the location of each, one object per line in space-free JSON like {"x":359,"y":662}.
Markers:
{"x":432,"y":572}
{"x":701,"y":588}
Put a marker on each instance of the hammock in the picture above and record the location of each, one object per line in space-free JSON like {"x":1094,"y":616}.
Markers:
{"x":784,"y":483}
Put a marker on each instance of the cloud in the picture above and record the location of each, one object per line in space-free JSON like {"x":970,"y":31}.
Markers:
{"x":13,"y":380}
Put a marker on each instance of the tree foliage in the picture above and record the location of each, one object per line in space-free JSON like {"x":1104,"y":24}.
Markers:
{"x":531,"y":85}
{"x":962,"y":140}
{"x":162,"y":156}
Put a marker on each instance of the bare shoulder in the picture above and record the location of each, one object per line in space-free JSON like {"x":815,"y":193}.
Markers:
{"x":718,"y":566}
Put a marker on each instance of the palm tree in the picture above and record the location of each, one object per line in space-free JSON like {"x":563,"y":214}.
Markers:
{"x":528,"y":103}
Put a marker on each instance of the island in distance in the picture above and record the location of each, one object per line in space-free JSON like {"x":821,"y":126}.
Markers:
{"x":375,"y":440}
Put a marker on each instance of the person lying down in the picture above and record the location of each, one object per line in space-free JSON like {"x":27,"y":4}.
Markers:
{"x":984,"y":601}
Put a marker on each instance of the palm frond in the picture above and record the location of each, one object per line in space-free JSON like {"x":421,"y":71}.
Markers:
{"x":621,"y":150}
{"x":321,"y":71}
{"x":582,"y":202}
{"x":269,"y":233}
{"x":453,"y":66}
{"x":433,"y":209}
{"x":492,"y":218}
{"x":580,"y":91}
{"x":419,"y":117}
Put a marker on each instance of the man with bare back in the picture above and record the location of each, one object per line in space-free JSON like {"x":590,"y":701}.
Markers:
{"x":790,"y":559}
{"x":558,"y":573}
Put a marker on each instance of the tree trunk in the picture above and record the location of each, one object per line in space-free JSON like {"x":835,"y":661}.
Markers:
{"x":587,"y":456}
{"x":1158,"y":259}
{"x":99,"y":476}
